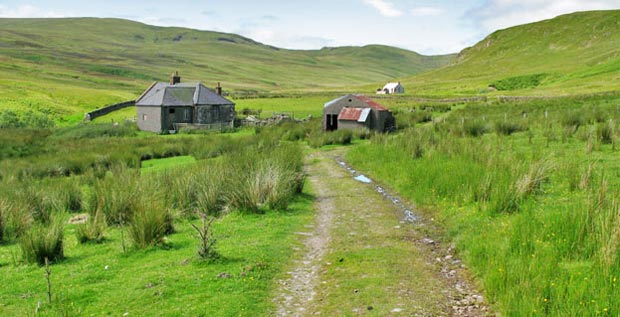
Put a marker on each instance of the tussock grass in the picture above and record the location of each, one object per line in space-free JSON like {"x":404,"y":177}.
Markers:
{"x":43,"y":241}
{"x":534,"y":215}
{"x":93,"y":230}
{"x":150,"y":222}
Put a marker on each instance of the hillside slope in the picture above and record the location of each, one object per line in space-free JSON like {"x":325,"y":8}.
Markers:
{"x":575,"y":53}
{"x":80,"y":63}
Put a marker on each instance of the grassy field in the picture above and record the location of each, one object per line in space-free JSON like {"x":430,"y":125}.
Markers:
{"x":553,"y":57}
{"x":65,"y":67}
{"x":138,"y":251}
{"x":527,"y":191}
{"x":162,"y":281}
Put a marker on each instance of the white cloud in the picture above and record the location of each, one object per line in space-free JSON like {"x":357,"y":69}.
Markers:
{"x":385,"y":7}
{"x":28,"y":11}
{"x":499,"y":14}
{"x":426,"y":12}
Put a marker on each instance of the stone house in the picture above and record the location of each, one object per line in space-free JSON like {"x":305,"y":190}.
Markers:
{"x":174,"y":105}
{"x":357,"y":112}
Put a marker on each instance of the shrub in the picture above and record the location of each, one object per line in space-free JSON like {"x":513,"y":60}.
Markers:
{"x":149,"y":224}
{"x":43,"y":241}
{"x":206,"y":249}
{"x":519,"y":82}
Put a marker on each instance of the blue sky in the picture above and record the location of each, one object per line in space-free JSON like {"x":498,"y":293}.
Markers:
{"x":428,"y":27}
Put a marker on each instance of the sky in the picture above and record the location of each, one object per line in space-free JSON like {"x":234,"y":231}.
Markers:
{"x":425,"y":26}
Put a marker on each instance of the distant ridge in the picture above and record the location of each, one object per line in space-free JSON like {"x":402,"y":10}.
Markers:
{"x":574,"y":53}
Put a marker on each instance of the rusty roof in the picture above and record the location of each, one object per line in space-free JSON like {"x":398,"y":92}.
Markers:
{"x":350,"y":114}
{"x":371,"y":103}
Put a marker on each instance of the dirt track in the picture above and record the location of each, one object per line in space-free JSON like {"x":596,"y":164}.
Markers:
{"x":371,"y":262}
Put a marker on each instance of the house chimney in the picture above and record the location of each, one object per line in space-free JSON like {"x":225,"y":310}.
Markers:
{"x":175,"y":78}
{"x":218,"y":89}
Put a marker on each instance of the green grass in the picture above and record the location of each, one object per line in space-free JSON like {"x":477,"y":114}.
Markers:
{"x":531,"y":213}
{"x":166,"y":163}
{"x":573,"y":60}
{"x":371,"y":261}
{"x":71,"y":66}
{"x":163,"y":281}
{"x":133,"y":259}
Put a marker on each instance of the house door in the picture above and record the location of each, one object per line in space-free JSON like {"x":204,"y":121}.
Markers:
{"x":332,"y":122}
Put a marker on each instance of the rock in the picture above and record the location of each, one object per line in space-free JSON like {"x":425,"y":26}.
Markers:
{"x":224,"y":275}
{"x":428,"y":241}
{"x":396,"y":310}
{"x":79,"y":219}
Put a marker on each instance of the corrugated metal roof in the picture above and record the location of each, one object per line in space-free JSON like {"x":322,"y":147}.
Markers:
{"x":371,"y":103}
{"x":350,"y":114}
{"x":184,"y":94}
{"x":354,"y":114}
{"x":364,"y":115}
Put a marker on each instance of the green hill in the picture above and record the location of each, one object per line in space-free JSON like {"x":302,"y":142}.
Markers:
{"x":575,"y":53}
{"x":71,"y":65}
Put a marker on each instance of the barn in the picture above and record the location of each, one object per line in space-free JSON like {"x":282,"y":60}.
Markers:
{"x":357,"y":112}
{"x":170,"y":106}
{"x":391,"y":88}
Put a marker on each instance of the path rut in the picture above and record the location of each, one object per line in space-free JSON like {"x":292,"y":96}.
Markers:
{"x":414,"y":274}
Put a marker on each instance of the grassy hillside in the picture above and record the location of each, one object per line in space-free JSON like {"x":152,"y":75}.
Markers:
{"x":70,"y":65}
{"x":575,"y":53}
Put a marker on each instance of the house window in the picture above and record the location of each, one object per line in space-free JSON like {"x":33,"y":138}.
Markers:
{"x":171,"y":111}
{"x":186,"y":115}
{"x":144,"y":117}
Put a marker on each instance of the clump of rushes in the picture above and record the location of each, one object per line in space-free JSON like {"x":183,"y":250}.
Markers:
{"x":149,"y":224}
{"x":93,"y":230}
{"x":42,"y":242}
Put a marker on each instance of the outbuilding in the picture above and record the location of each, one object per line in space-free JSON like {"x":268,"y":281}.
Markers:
{"x":174,"y":105}
{"x":357,"y":112}
{"x":391,"y":88}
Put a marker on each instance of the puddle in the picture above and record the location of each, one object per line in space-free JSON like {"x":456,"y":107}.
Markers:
{"x":363,"y":179}
{"x":409,"y":215}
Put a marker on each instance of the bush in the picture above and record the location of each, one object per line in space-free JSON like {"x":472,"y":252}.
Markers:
{"x":206,"y":250}
{"x":519,"y":82}
{"x":43,"y":241}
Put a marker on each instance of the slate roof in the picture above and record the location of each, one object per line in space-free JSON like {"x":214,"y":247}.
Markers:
{"x":184,"y":94}
{"x":335,"y":101}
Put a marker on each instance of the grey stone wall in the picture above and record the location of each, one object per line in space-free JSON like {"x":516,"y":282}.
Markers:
{"x":172,"y":115}
{"x":105,"y":110}
{"x":149,"y":118}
